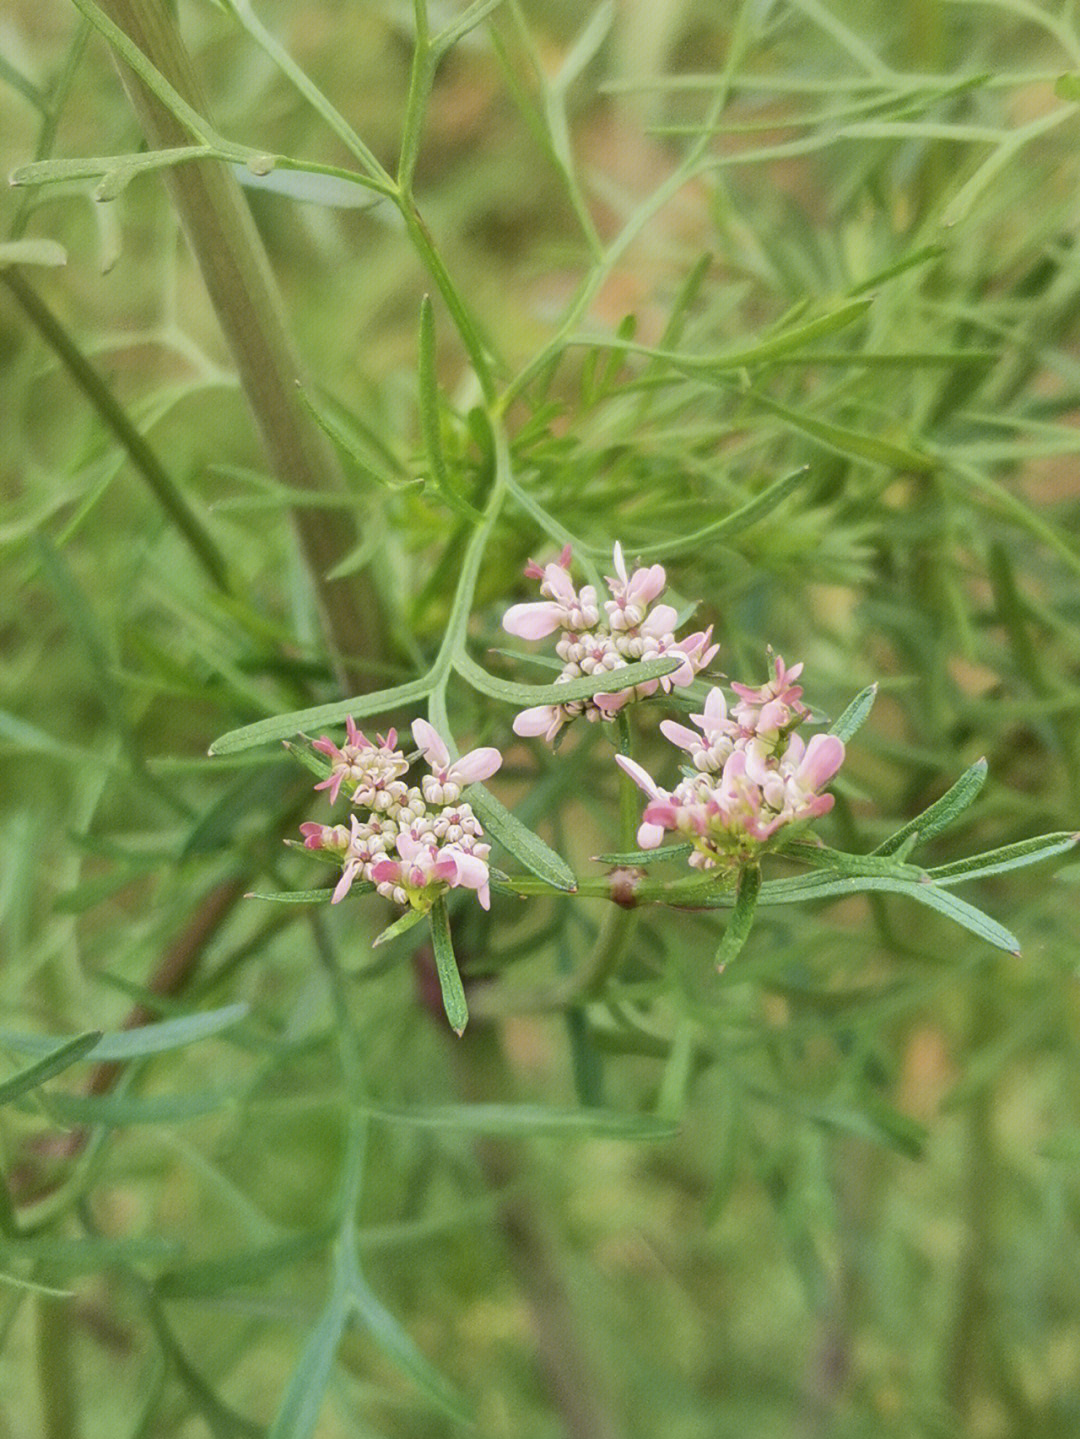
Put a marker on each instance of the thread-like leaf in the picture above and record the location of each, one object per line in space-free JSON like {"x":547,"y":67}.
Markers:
{"x":524,"y":1121}
{"x":53,"y":1063}
{"x":135,"y":1043}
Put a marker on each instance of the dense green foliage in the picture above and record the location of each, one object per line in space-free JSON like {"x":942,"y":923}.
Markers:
{"x":781,"y":295}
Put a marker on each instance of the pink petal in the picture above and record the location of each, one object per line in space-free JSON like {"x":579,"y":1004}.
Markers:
{"x":649,"y":836}
{"x":824,"y":756}
{"x":645,"y":585}
{"x":533,"y":621}
{"x":478,"y":764}
{"x":680,"y":735}
{"x":431,"y":744}
{"x":641,"y":777}
{"x":661,"y":620}
{"x":333,"y":784}
{"x":612,"y":703}
{"x":535,"y":721}
{"x":344,"y":884}
{"x":560,"y":584}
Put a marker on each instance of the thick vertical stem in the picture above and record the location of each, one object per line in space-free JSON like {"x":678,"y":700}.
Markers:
{"x":227,"y":249}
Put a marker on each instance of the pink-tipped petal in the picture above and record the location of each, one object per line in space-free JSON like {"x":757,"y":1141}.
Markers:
{"x":533,"y":621}
{"x":824,"y":756}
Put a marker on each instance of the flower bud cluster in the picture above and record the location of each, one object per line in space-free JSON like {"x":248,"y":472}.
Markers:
{"x":751,"y":774}
{"x":412,"y":842}
{"x":631,"y":629}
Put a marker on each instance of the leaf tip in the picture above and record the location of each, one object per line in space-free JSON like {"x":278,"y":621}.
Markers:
{"x":457,"y":1031}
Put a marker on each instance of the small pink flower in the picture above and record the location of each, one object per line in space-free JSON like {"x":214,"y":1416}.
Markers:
{"x":632,"y":596}
{"x":448,"y":777}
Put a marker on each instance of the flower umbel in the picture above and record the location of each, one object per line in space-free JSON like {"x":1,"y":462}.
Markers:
{"x":588,"y":644}
{"x":752,"y":774}
{"x":411,"y":842}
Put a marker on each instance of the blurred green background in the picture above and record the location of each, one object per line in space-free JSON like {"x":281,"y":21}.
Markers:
{"x":866,"y":1224}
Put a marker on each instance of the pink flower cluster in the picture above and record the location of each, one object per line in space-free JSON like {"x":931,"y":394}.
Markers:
{"x":751,"y":773}
{"x":413,"y":842}
{"x":632,"y":629}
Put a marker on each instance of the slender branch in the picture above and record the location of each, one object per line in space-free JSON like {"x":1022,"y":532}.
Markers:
{"x":158,"y":480}
{"x":227,"y":249}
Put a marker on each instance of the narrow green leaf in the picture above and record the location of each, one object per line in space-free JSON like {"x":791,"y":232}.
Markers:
{"x":305,"y":896}
{"x":453,"y":991}
{"x":298,"y":1412}
{"x":470,"y":17}
{"x":942,"y":812}
{"x":742,"y":916}
{"x":856,"y":714}
{"x":399,"y":927}
{"x":115,"y":171}
{"x":348,"y":441}
{"x":280,"y":727}
{"x":729,"y":525}
{"x":210,"y":1277}
{"x":877,"y":1123}
{"x":314,"y":762}
{"x":33,"y":1287}
{"x":824,"y":886}
{"x":759,"y":354}
{"x":91,"y":1253}
{"x":584,"y":688}
{"x":31,"y":252}
{"x":849,"y":442}
{"x":429,"y":418}
{"x":525,"y":1121}
{"x":135,"y":1043}
{"x":639,"y":857}
{"x":54,"y":1063}
{"x":537,"y":857}
{"x":220,"y":1420}
{"x":120,"y":1109}
{"x":1010,"y":856}
{"x":395,"y":1340}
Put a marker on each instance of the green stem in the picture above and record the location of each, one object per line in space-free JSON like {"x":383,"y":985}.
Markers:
{"x":227,"y":248}
{"x":158,"y":480}
{"x":421,"y":76}
{"x":59,"y":1408}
